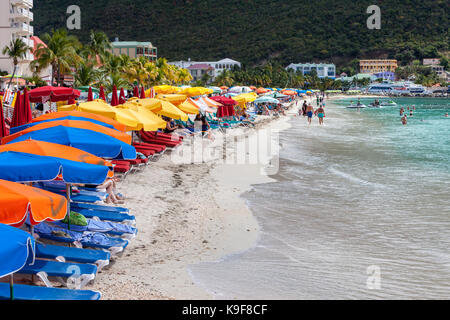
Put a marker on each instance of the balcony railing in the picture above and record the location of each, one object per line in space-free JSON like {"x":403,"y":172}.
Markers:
{"x":21,"y":14}
{"x":26,"y":3}
{"x":22,"y":28}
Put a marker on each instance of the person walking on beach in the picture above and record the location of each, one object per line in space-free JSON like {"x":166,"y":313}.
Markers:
{"x":320,"y":114}
{"x":304,"y":107}
{"x":309,"y":113}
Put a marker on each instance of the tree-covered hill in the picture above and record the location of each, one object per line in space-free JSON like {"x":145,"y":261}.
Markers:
{"x":254,"y":32}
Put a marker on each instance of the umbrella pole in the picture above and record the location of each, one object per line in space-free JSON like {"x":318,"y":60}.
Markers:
{"x":68,"y":193}
{"x":11,"y":286}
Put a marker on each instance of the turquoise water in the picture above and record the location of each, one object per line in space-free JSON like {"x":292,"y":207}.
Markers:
{"x":359,"y":193}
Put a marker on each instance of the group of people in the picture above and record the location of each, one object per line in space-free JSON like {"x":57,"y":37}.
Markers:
{"x":307,"y":110}
{"x":404,"y":116}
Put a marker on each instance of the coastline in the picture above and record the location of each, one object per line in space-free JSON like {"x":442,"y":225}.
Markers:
{"x":186,"y":214}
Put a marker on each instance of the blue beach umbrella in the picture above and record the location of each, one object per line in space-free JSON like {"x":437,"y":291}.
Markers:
{"x":17,"y":249}
{"x":32,"y":124}
{"x":96,"y":143}
{"x":26,"y":167}
{"x":266,"y":100}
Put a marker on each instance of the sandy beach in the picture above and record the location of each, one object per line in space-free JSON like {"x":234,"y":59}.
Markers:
{"x":185,"y":214}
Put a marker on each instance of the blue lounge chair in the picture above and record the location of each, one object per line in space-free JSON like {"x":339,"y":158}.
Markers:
{"x":77,"y":274}
{"x":24,"y":292}
{"x":69,"y":254}
{"x":111,"y":228}
{"x":99,"y":207}
{"x":94,"y":240}
{"x":107,"y":215}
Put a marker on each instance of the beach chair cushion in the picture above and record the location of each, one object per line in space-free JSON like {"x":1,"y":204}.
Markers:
{"x":25,"y":292}
{"x":58,"y":269}
{"x":99,"y":226}
{"x":98,"y":207}
{"x":48,"y":251}
{"x":106,"y":215}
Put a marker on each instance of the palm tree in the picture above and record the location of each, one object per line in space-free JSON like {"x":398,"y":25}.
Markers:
{"x":86,"y":74}
{"x":17,"y":50}
{"x":98,"y":45}
{"x":59,"y":53}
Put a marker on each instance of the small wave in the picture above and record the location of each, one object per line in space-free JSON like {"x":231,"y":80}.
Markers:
{"x":356,"y":179}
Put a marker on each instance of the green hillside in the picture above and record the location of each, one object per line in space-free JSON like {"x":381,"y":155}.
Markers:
{"x":254,"y":32}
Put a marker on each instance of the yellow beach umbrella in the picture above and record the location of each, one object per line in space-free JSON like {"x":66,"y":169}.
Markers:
{"x":188,"y":108}
{"x":175,"y":99}
{"x":147,"y":120}
{"x":196,"y":91}
{"x":164,"y":89}
{"x":171,"y":111}
{"x":153,"y":105}
{"x":102,"y":108}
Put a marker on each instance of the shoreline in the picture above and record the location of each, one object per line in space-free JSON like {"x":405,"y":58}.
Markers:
{"x":197,"y":214}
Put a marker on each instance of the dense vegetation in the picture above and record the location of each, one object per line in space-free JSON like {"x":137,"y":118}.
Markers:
{"x":255,"y":32}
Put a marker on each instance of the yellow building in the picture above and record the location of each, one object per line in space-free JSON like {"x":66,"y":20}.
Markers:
{"x":377,"y":66}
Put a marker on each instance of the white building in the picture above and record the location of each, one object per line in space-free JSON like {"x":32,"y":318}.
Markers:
{"x":219,"y":66}
{"x":15,"y":22}
{"x":323,"y":70}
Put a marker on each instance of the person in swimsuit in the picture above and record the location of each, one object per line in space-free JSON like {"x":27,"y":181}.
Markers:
{"x":404,"y":120}
{"x":320,"y":114}
{"x":305,"y":106}
{"x":309,"y":113}
{"x":402,"y":110}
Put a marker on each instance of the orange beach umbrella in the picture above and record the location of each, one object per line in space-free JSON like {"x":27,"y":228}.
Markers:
{"x":73,"y":124}
{"x":17,"y":201}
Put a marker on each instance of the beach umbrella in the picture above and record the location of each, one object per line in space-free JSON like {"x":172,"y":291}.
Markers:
{"x":3,"y":129}
{"x":53,"y":94}
{"x":18,"y":201}
{"x":147,"y":120}
{"x":85,"y":116}
{"x":175,"y":99}
{"x":102,"y":94}
{"x":266,"y":100}
{"x":17,"y":119}
{"x":151,"y":104}
{"x":90,"y":95}
{"x":27,"y":167}
{"x":142,"y":93}
{"x":136,"y":92}
{"x":196,"y":91}
{"x":188,"y":107}
{"x":122,"y":99}
{"x":17,"y":249}
{"x":114,"y":99}
{"x":171,"y":111}
{"x":164,"y":89}
{"x":42,"y":148}
{"x":32,"y":124}
{"x":26,"y":106}
{"x":122,"y":136}
{"x":96,"y":143}
{"x":202,"y":105}
{"x":101,"y":108}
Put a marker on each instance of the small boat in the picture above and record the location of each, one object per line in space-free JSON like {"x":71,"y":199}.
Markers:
{"x":356,"y":106}
{"x":389,"y":103}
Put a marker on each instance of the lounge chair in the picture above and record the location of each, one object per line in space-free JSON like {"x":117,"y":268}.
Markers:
{"x":69,"y":254}
{"x":77,"y":274}
{"x":94,"y":240}
{"x":95,"y":225}
{"x":25,"y":292}
{"x":107,"y":215}
{"x":90,"y":206}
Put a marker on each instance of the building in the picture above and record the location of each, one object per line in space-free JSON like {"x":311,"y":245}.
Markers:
{"x":435,"y":65}
{"x":377,"y":66}
{"x":323,"y":70}
{"x":15,"y":22}
{"x":431,"y":62}
{"x":199,"y":70}
{"x":135,"y":49}
{"x":218,"y":66}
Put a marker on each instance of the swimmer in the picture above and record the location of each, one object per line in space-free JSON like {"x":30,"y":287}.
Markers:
{"x":446,"y":115}
{"x":404,"y":120}
{"x":402,"y":110}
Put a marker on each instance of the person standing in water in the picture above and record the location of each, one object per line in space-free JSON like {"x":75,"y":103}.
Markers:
{"x":402,"y":110}
{"x":320,"y":114}
{"x":404,"y":120}
{"x":309,"y":113}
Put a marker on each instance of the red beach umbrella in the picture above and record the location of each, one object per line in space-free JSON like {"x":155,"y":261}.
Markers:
{"x":3,"y":129}
{"x":102,"y":93}
{"x":53,"y":94}
{"x":27,"y":116}
{"x":71,"y":101}
{"x":142,"y":93}
{"x":16,"y":121}
{"x":136,"y":92}
{"x":122,"y":99}
{"x":90,"y":95}
{"x":114,"y":99}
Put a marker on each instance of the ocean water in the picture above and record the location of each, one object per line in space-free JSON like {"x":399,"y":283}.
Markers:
{"x":360,"y":210}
